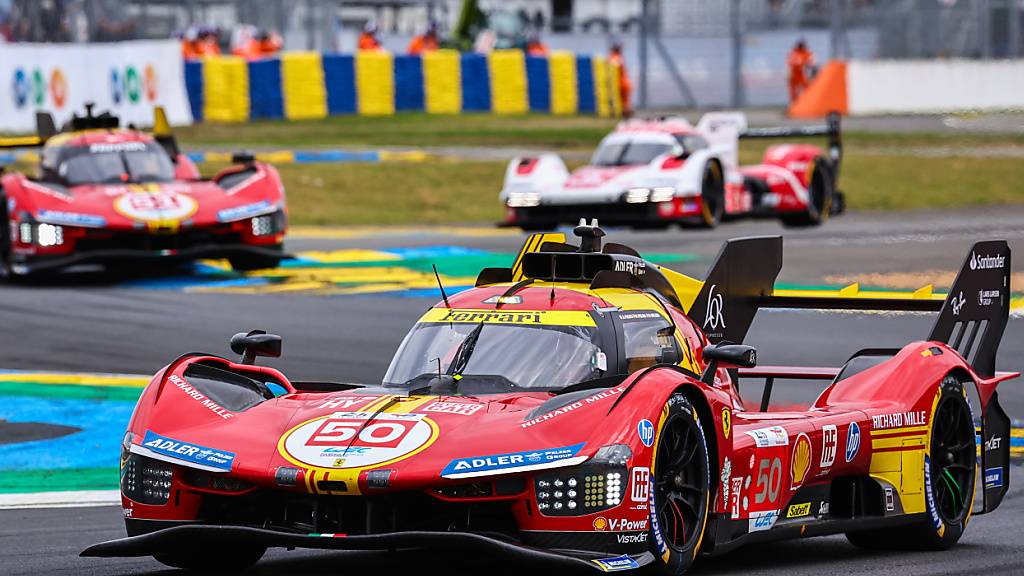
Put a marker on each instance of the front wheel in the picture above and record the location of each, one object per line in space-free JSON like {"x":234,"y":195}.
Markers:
{"x":681,"y":488}
{"x":249,"y":262}
{"x":950,"y":467}
{"x":227,"y":558}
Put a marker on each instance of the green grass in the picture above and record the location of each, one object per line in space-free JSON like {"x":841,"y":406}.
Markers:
{"x":433,"y":192}
{"x":532,"y":130}
{"x":440,"y":192}
{"x":880,"y":171}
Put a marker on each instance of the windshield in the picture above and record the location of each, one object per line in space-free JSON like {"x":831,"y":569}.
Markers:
{"x":628,"y":153}
{"x":123,"y":162}
{"x":491,"y":358}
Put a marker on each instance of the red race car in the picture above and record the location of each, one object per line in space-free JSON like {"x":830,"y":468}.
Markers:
{"x":582,"y":407}
{"x":654,"y":173}
{"x":105,"y":195}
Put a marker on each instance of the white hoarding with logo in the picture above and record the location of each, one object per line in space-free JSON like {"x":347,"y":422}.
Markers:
{"x":126,"y":78}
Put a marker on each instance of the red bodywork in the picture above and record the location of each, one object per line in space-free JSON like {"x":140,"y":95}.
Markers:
{"x":423,"y":457}
{"x":183,"y":219}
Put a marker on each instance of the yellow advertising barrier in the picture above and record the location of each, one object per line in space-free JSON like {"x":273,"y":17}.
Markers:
{"x":375,"y":83}
{"x":226,"y":98}
{"x":508,"y":82}
{"x":302,"y":83}
{"x":442,"y":79}
{"x":564,"y":90}
{"x":601,"y":84}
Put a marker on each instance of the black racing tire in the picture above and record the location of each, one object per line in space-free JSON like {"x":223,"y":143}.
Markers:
{"x":681,"y":488}
{"x":6,"y":256}
{"x":950,"y":474}
{"x":822,"y":193}
{"x":219,"y":559}
{"x":250,"y":262}
{"x":712,"y":196}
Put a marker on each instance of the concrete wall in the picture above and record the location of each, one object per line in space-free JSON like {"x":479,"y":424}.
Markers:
{"x":923,"y":86}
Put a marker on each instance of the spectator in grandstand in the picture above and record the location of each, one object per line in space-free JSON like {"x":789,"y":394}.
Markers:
{"x":425,"y":42}
{"x":534,"y":45}
{"x":625,"y":86}
{"x":801,"y":64}
{"x":369,"y":39}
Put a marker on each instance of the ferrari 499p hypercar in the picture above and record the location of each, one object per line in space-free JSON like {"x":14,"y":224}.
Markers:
{"x":654,"y":173}
{"x":106,"y":195}
{"x":582,"y":406}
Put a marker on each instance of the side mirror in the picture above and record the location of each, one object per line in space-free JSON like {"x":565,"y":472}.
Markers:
{"x":256,"y":343}
{"x":739,"y":355}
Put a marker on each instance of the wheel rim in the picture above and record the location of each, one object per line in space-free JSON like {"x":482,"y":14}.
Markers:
{"x":952,"y":459}
{"x":680,"y":476}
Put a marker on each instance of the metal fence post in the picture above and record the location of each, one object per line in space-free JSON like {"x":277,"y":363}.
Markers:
{"x":644,"y":14}
{"x":735,"y":25}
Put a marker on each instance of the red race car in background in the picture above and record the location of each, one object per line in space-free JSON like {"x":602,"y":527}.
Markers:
{"x":582,"y":407}
{"x":653,"y":173}
{"x":107,"y":195}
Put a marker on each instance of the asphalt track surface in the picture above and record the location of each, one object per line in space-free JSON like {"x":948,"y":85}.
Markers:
{"x":92,"y":323}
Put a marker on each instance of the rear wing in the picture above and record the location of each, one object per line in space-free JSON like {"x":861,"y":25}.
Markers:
{"x":971,"y":317}
{"x":45,"y":129}
{"x":832,"y":129}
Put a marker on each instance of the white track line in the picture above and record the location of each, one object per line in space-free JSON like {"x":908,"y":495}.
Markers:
{"x":60,"y":499}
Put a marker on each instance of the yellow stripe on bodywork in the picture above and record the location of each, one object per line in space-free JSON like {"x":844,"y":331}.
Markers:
{"x":524,"y":317}
{"x":533,"y":244}
{"x":854,"y":291}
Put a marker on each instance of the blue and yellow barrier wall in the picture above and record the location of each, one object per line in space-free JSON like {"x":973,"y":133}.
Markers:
{"x":300,"y":85}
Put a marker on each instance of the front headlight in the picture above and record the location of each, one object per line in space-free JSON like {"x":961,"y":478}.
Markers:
{"x":638,"y":195}
{"x":523,"y":199}
{"x":146,"y":480}
{"x":267,"y":224}
{"x":662,"y":194}
{"x":591,"y":487}
{"x":49,"y":235}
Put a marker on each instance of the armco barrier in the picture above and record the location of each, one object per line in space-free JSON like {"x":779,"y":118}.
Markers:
{"x":302,"y":85}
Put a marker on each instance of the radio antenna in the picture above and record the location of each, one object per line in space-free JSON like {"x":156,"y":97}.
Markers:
{"x":441,"y":287}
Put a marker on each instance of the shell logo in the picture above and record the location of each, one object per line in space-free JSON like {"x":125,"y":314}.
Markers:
{"x":600,"y":523}
{"x":58,"y":88}
{"x":801,"y":462}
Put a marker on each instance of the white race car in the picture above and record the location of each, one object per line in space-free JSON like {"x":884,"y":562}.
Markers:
{"x":652,"y":173}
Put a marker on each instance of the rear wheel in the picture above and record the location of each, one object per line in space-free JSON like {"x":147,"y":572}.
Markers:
{"x":681,"y":488}
{"x":821,"y":192}
{"x":949,"y":475}
{"x":712,"y":195}
{"x":222,"y":558}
